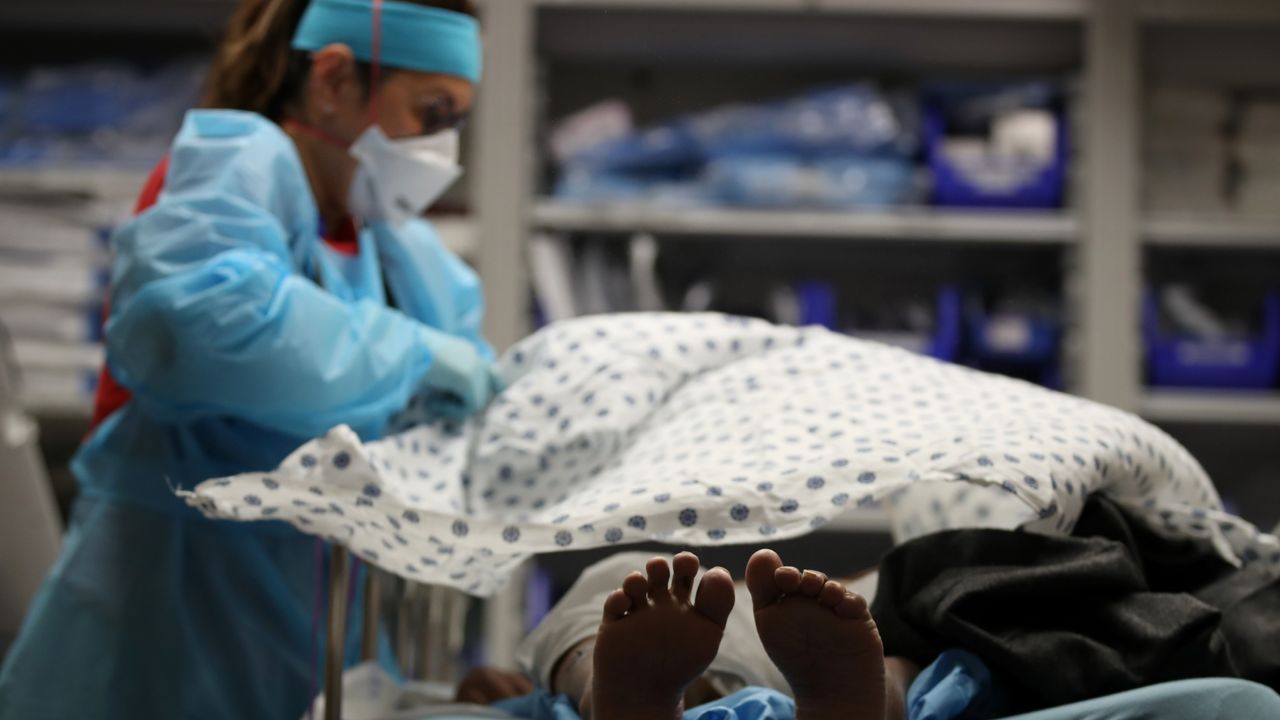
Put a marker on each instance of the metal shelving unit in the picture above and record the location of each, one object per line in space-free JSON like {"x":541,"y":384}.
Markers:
{"x":1213,"y":232}
{"x":1216,"y":407}
{"x":1105,"y":234}
{"x":1217,"y":11}
{"x":924,"y":224}
{"x":1007,"y":9}
{"x":113,"y":185}
{"x":1211,"y":44}
{"x":92,"y":182}
{"x":188,"y":17}
{"x":1101,"y":235}
{"x":58,"y":409}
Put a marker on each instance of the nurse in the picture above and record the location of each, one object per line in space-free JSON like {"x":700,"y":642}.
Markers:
{"x":277,"y":282}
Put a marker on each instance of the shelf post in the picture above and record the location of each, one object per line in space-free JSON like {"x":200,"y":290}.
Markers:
{"x":503,"y":185}
{"x":1110,"y":262}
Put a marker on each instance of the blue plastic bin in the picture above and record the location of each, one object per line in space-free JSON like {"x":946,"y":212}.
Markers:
{"x":948,"y":335}
{"x":1035,"y":341}
{"x":1239,"y":363}
{"x":955,"y":185}
{"x":819,"y":306}
{"x":1019,"y":345}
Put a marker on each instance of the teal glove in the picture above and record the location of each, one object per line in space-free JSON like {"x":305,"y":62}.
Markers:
{"x":460,"y":382}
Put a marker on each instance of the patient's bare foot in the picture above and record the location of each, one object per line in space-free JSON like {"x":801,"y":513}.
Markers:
{"x":821,"y":637}
{"x":655,"y":640}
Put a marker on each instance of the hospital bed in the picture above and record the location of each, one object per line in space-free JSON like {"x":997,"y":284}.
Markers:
{"x":707,"y":430}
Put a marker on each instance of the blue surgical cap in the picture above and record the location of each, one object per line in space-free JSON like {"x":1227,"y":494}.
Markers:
{"x":413,"y":37}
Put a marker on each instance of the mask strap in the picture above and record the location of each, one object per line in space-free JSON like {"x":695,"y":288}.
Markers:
{"x":375,"y":68}
{"x":315,"y":132}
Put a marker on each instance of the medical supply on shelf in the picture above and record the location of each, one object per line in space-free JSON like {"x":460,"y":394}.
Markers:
{"x":1190,"y":345}
{"x":996,"y":145}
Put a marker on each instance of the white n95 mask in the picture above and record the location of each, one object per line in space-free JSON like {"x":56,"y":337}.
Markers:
{"x":399,"y":179}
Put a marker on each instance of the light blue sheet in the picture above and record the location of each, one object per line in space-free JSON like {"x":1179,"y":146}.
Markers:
{"x":1199,"y":699}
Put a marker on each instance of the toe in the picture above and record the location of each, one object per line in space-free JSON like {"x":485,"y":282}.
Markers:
{"x":616,"y":606}
{"x":811,"y":582}
{"x":760,"y":570}
{"x":636,"y":587}
{"x":787,"y":579}
{"x":715,"y":596}
{"x":852,"y":606}
{"x":831,"y":595}
{"x":684,"y":568}
{"x":659,"y":577}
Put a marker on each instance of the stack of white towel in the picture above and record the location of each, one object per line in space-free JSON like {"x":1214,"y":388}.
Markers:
{"x":1185,"y":153}
{"x":1259,"y":150}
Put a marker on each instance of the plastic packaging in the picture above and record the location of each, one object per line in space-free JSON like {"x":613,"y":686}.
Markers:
{"x":1248,"y":360}
{"x":847,"y":147}
{"x":837,"y":183}
{"x":96,"y":113}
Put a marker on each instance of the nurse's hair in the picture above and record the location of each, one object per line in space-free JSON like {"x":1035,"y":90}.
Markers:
{"x":257,"y":69}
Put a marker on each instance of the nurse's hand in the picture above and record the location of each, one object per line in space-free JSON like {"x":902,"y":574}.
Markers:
{"x":460,"y":383}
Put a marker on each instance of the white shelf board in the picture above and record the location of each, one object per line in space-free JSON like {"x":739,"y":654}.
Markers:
{"x":908,"y":224}
{"x":1211,"y":406}
{"x":189,"y":17}
{"x":1213,"y":231}
{"x":860,"y":520}
{"x":458,"y":234}
{"x":53,"y":355}
{"x":739,"y":5}
{"x":58,"y":408}
{"x":100,"y":183}
{"x":1010,"y":9}
{"x":1240,"y":12}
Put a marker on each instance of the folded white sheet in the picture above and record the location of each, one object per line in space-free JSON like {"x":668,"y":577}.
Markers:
{"x":704,"y":429}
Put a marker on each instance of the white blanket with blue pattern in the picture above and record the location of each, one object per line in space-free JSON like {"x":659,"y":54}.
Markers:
{"x":704,"y":429}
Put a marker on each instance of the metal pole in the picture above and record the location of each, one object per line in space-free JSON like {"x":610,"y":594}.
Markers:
{"x":372,"y":611}
{"x":335,"y":639}
{"x":456,"y":634}
{"x":504,"y":170}
{"x":429,"y":633}
{"x":404,"y":630}
{"x":1111,"y":250}
{"x":444,"y":628}
{"x":504,"y":619}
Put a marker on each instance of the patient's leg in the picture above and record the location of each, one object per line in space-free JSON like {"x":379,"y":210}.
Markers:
{"x":824,"y":640}
{"x":656,"y":639}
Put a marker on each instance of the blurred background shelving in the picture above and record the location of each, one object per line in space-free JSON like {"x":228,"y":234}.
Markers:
{"x":1216,"y":408}
{"x":1031,"y":227}
{"x":1124,"y":67}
